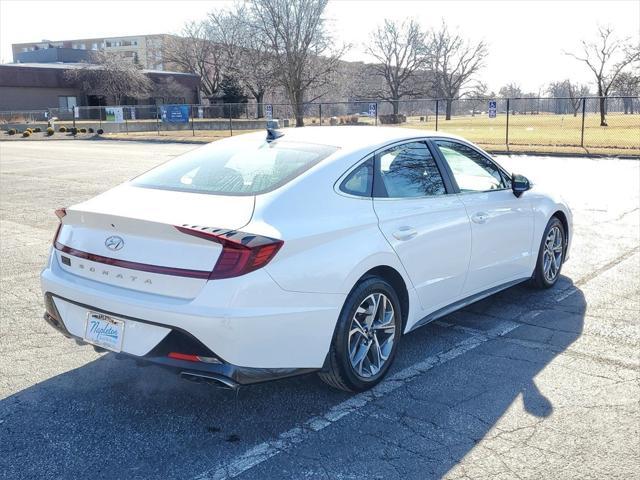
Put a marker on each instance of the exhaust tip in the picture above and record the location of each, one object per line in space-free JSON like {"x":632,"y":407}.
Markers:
{"x":210,"y":378}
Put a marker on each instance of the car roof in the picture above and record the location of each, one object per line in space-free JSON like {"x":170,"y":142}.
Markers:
{"x":354,"y":137}
{"x":351,"y":137}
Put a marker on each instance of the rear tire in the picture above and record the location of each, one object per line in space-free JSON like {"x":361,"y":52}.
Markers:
{"x":550,"y":255}
{"x":366,"y":337}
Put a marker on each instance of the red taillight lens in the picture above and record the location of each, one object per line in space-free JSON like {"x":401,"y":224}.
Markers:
{"x":241,"y":252}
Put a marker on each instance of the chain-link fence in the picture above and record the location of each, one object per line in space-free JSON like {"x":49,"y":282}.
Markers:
{"x":536,"y":124}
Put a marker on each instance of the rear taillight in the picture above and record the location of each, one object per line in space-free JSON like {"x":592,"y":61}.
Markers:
{"x":241,"y":252}
{"x":60,"y":213}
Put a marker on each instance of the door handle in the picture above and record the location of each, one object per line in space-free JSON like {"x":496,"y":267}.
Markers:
{"x":480,"y":217}
{"x":405,"y":233}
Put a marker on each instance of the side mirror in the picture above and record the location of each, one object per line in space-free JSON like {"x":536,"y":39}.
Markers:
{"x":519,"y":184}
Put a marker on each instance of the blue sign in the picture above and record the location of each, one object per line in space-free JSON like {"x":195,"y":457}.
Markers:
{"x":373,"y":107}
{"x":268,"y":111}
{"x":175,"y":113}
{"x":492,"y":108}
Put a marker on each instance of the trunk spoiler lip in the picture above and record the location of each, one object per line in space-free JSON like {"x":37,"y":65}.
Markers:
{"x":143,"y":267}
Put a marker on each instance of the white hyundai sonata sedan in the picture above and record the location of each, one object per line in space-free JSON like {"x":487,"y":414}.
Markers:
{"x":264,"y":256}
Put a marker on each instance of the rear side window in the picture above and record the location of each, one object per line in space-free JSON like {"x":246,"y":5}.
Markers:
{"x":359,"y":181}
{"x":235,"y":168}
{"x":408,"y":170}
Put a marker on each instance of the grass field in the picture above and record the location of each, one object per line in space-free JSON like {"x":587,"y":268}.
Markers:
{"x":530,"y":133}
{"x":623,"y":132}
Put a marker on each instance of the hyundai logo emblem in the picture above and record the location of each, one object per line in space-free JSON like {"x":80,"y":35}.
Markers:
{"x":114,"y":243}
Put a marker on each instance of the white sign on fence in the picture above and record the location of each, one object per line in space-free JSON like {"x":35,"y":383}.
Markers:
{"x":114,"y":114}
{"x":200,"y":112}
{"x":492,"y":108}
{"x":268,"y":111}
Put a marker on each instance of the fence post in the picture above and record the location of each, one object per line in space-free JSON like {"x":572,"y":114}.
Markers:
{"x":158,"y":120}
{"x":73,"y":112}
{"x":507,"y":128}
{"x":126,"y":122}
{"x":376,"y":114}
{"x":230,"y":123}
{"x":320,"y":112}
{"x":100,"y":117}
{"x":584,"y":104}
{"x":437,"y":107}
{"x":193,"y":128}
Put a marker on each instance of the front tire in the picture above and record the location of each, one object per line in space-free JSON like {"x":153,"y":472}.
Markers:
{"x":366,"y":337}
{"x":550,"y":255}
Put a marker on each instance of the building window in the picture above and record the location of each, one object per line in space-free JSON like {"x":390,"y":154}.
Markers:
{"x":66,"y":103}
{"x":94,"y":46}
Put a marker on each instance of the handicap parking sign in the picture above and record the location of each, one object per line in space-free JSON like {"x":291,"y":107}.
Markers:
{"x":492,"y":108}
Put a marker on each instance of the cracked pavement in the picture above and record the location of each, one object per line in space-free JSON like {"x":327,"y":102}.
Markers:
{"x":524,"y":384}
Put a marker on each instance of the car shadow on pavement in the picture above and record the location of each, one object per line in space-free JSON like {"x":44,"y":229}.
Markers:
{"x":112,"y":419}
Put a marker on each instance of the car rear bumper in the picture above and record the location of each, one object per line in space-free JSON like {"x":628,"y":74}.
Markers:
{"x":256,"y":330}
{"x":215,"y":370}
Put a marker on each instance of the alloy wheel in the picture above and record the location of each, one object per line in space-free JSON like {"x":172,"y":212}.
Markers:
{"x":552,"y":254}
{"x":371,"y":335}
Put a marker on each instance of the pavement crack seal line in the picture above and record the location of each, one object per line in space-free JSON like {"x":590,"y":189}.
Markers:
{"x":287,"y":440}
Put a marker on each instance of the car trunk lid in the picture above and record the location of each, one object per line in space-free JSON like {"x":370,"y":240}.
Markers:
{"x":127,"y":237}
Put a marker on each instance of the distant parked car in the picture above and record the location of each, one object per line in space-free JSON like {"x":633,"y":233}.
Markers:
{"x":260,"y":257}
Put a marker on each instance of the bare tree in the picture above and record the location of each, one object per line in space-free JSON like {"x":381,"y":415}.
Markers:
{"x":627,"y":85}
{"x":577,"y":93}
{"x":400,"y":51}
{"x":246,"y":55}
{"x":567,"y":95}
{"x":511,"y":90}
{"x":112,"y":77}
{"x":479,"y":95}
{"x":606,"y":58}
{"x":194,"y":52}
{"x":295,"y":33}
{"x":454,"y":62}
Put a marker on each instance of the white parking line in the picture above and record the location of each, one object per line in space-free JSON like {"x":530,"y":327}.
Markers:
{"x":285,"y":441}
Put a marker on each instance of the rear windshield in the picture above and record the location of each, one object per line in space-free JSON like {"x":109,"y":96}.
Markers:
{"x":235,"y":168}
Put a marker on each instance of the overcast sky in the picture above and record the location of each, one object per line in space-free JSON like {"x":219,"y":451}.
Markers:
{"x":526,"y":38}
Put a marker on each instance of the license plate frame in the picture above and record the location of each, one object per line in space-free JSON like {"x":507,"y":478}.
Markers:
{"x":104,"y":331}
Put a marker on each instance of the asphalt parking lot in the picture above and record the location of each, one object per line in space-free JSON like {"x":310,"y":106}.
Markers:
{"x":524,"y":384}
